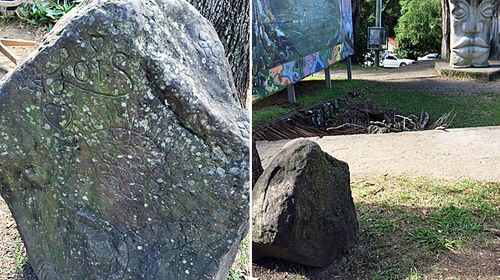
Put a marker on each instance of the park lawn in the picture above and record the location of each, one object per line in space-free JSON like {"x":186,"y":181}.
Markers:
{"x":414,"y":228}
{"x":472,"y":110}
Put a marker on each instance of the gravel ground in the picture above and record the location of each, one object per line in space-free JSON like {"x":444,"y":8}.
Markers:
{"x":14,"y":262}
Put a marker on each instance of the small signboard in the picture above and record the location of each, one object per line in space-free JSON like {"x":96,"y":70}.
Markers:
{"x":377,"y":38}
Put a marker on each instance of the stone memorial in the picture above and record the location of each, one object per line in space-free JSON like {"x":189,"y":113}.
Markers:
{"x":471,"y":24}
{"x":123,"y":151}
{"x":302,"y":207}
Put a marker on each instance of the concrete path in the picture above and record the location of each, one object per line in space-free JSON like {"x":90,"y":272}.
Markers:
{"x":456,"y":153}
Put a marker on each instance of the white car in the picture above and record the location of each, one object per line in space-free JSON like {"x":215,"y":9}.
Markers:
{"x":431,"y":56}
{"x":392,"y":61}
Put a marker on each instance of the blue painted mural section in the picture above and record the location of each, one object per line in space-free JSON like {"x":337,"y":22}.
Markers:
{"x":293,"y":39}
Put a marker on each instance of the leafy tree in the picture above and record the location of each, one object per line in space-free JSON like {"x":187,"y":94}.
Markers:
{"x":365,"y":18}
{"x":419,"y":29}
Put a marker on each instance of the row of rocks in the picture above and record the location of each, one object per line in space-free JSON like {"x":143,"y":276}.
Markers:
{"x":308,"y":122}
{"x":318,"y":115}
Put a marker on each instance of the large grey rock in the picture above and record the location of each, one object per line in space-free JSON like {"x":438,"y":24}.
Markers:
{"x":123,"y":151}
{"x":303,"y":210}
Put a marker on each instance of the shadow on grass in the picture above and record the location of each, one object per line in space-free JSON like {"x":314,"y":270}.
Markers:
{"x":404,"y":240}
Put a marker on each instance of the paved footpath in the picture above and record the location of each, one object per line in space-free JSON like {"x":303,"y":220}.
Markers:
{"x":455,"y":153}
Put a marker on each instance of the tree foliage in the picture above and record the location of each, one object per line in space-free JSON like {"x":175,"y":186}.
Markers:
{"x":419,"y":29}
{"x":366,"y":18}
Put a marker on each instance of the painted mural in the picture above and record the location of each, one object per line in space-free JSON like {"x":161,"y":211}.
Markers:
{"x":293,"y":39}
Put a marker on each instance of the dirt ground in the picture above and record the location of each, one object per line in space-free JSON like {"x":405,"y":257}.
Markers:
{"x":15,"y":30}
{"x":471,"y":263}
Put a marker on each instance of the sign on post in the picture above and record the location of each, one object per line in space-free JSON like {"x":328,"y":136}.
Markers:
{"x":377,"y":38}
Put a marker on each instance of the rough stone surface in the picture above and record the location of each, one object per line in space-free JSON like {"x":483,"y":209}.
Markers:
{"x":303,"y":210}
{"x":231,"y":20}
{"x":257,"y":169}
{"x":123,"y":151}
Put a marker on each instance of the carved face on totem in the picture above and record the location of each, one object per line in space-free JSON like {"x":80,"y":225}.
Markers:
{"x":470,"y":32}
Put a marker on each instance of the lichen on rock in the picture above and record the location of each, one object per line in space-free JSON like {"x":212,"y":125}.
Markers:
{"x":112,"y":139}
{"x":302,"y":208}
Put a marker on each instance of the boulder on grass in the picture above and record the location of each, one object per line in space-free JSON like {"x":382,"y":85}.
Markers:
{"x":303,"y":211}
{"x":123,"y":151}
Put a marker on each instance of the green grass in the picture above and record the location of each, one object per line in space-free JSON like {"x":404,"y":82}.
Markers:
{"x":20,"y":256}
{"x":472,"y":110}
{"x":421,"y":218}
{"x":339,"y":88}
{"x":449,"y":227}
{"x":269,"y":113}
{"x":6,"y":18}
{"x":240,"y":268}
{"x":409,"y":227}
{"x":233,"y":274}
{"x":321,"y":95}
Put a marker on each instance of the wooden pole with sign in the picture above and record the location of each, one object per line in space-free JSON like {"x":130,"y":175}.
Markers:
{"x":378,"y":23}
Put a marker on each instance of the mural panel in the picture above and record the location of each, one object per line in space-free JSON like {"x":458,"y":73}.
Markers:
{"x":293,"y":39}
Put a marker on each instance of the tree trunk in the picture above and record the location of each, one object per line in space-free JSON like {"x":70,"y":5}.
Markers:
{"x":445,"y":43}
{"x":231,"y":20}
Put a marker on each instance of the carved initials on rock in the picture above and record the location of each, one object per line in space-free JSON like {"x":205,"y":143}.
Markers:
{"x":95,"y":68}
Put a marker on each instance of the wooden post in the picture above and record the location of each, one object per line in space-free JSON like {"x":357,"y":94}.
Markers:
{"x":17,"y":42}
{"x":378,"y":23}
{"x":4,"y":43}
{"x":328,"y":78}
{"x":349,"y":68}
{"x":291,"y":94}
{"x":10,"y":55}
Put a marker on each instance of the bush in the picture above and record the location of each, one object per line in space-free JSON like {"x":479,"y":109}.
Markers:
{"x":419,"y":29}
{"x":45,"y":13}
